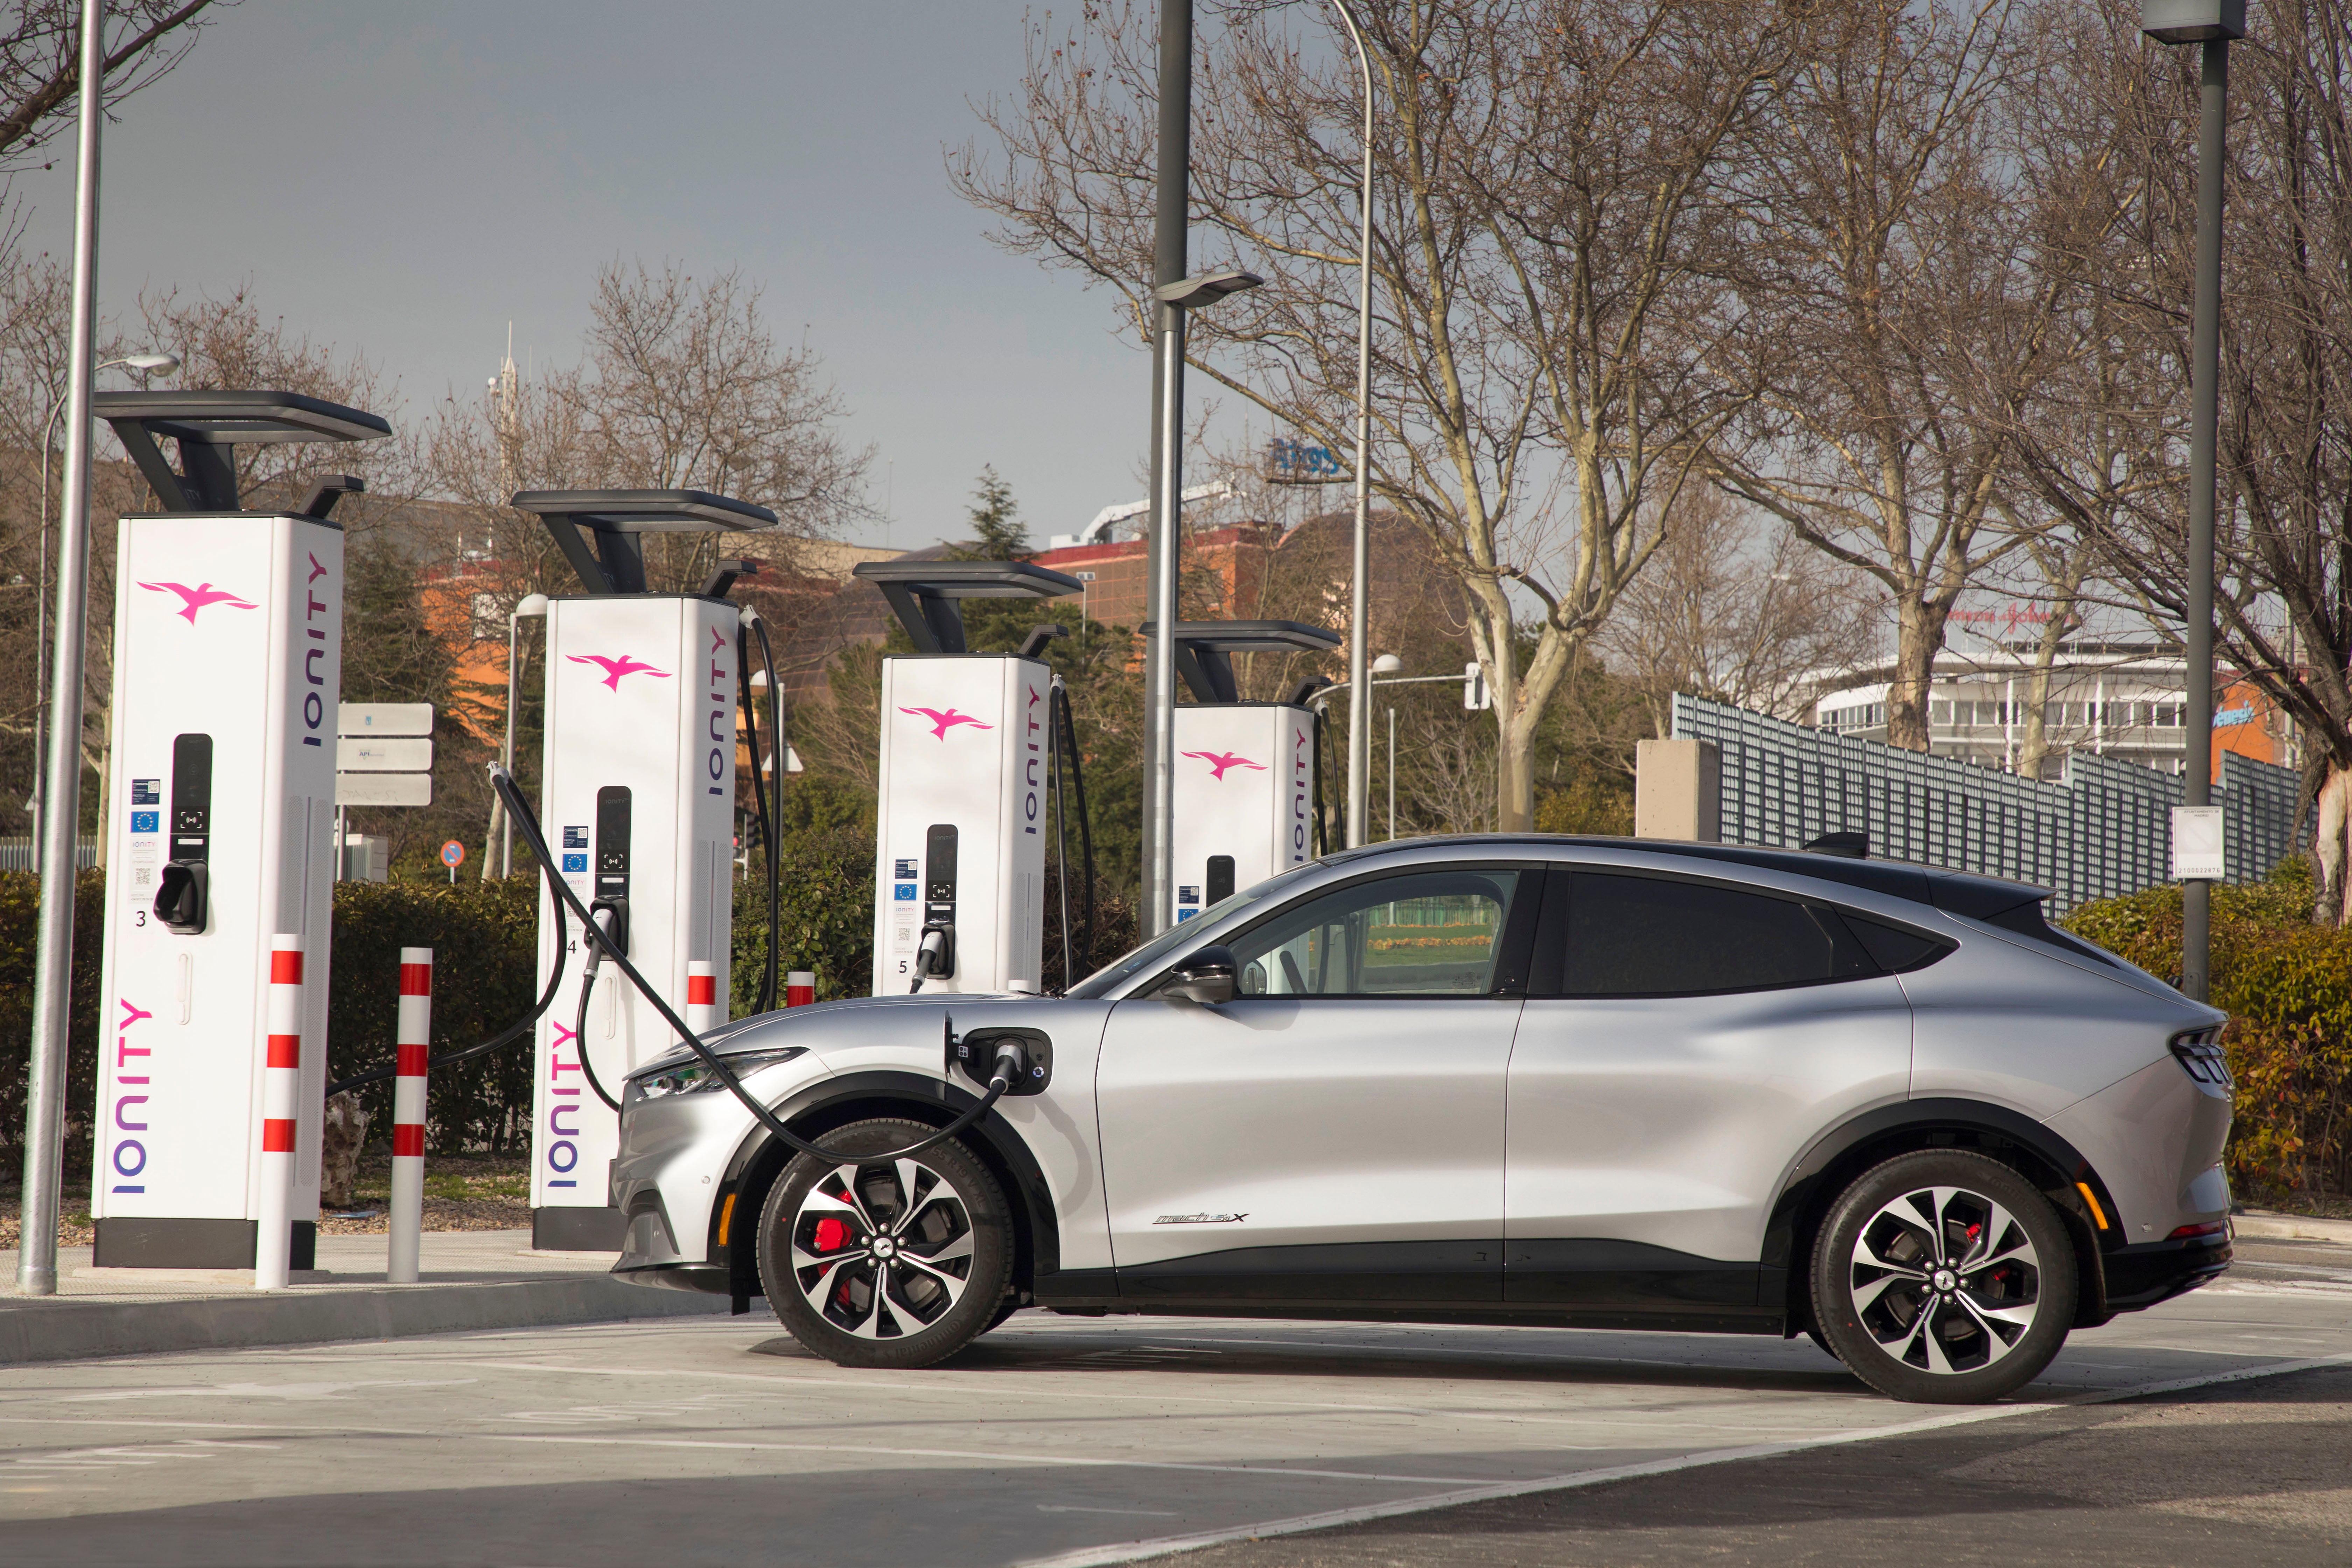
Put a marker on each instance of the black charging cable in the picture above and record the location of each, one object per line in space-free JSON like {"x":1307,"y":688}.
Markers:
{"x":1086,"y":828}
{"x":769,"y":993}
{"x":580,"y":1024}
{"x":1012,"y":1061}
{"x":504,"y":1037}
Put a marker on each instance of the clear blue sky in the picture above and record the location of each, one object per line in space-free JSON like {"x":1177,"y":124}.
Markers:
{"x":406,"y":178}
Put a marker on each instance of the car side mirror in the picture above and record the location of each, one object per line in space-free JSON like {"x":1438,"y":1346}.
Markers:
{"x":1206,"y":978}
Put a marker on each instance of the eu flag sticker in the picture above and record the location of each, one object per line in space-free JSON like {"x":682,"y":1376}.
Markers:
{"x":574,"y":863}
{"x":146,"y":822}
{"x":904,"y":890}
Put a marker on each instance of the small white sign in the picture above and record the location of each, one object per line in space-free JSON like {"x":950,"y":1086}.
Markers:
{"x":383,"y":719}
{"x":369,"y":754}
{"x":383,"y":789}
{"x":2197,"y":844}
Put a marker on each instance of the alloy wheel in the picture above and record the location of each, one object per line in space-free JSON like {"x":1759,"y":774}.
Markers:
{"x":1946,"y":1280}
{"x":882,"y":1249}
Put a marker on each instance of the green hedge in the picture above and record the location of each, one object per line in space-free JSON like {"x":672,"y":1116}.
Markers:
{"x":2286,"y":985}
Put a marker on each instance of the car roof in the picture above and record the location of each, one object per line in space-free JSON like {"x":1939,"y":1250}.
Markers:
{"x":1955,"y":892}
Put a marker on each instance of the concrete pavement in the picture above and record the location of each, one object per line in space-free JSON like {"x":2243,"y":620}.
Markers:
{"x":1053,"y":1440}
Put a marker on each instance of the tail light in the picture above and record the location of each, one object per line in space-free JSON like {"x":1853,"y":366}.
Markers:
{"x":2188,"y":1232}
{"x":2200,"y":1054}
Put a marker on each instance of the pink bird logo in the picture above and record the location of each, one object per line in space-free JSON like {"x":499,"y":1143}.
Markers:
{"x":1221,"y":761}
{"x":614,"y":668}
{"x":942,"y":723}
{"x":198,"y":597}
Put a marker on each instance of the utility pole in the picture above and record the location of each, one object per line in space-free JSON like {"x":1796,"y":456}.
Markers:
{"x":2211,"y":23}
{"x":44,"y":1097}
{"x":1164,"y":559}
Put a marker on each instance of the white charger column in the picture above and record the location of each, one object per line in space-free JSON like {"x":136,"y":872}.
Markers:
{"x":1245,"y":772}
{"x":960,"y":821}
{"x":637,"y":801}
{"x":228,"y":666}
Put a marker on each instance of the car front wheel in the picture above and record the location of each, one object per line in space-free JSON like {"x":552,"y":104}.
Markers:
{"x":883,"y":1262}
{"x":1944,"y":1277}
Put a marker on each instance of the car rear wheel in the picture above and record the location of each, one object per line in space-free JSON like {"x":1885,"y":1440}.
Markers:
{"x":884,"y":1262}
{"x":1944,"y":1277}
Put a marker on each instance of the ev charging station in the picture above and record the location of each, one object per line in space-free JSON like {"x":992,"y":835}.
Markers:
{"x":960,"y":873}
{"x":637,"y":794}
{"x":1245,"y":797}
{"x":228,"y":666}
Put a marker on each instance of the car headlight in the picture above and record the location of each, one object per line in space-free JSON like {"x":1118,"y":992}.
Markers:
{"x":687,"y":1074}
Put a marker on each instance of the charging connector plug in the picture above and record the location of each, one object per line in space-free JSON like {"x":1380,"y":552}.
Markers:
{"x":935,"y":957}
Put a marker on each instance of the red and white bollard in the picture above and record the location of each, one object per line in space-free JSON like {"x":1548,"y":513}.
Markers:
{"x":800,"y":988}
{"x":702,"y":1014}
{"x":416,"y":1037}
{"x":281,"y":1078}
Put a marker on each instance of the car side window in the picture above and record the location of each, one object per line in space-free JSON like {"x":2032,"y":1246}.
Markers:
{"x":1656,"y":936}
{"x":1430,"y":933}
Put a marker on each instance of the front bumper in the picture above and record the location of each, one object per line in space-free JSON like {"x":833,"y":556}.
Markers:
{"x":2140,"y":1277}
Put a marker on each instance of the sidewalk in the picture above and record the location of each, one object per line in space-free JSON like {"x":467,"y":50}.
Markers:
{"x":2269,"y":1224}
{"x":469,"y":1280}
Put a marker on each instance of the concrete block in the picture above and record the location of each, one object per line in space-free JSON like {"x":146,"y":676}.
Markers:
{"x":1677,"y":791}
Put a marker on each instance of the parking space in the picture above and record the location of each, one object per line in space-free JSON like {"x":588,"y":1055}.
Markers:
{"x":1074,"y":1441}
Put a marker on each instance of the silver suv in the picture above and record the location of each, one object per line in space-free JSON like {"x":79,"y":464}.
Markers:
{"x":1592,"y":1083}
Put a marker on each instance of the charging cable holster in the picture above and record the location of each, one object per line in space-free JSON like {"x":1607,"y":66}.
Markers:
{"x":184,"y":897}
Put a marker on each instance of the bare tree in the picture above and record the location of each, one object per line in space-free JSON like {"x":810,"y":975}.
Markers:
{"x":1545,"y":181}
{"x":1738,"y":614}
{"x":2283,"y":593}
{"x":40,"y":62}
{"x":1888,"y":278}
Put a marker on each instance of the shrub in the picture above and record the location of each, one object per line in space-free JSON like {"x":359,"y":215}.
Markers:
{"x":2286,"y":985}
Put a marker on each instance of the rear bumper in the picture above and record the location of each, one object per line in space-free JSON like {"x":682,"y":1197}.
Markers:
{"x":2140,"y":1277}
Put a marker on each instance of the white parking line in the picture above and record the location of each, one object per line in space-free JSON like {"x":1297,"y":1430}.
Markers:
{"x":988,"y":1456}
{"x":1133,"y":1551}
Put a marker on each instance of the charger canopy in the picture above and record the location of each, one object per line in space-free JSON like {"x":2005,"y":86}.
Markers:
{"x":926,"y":594}
{"x":208,"y":428}
{"x":1204,"y":649}
{"x":600,"y":532}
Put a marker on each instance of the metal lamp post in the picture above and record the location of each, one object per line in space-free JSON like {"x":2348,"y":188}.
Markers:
{"x":1175,"y":300}
{"x":1359,"y":733}
{"x":45,"y":1080}
{"x":528,"y":604}
{"x":2213,"y":24}
{"x":146,"y":365}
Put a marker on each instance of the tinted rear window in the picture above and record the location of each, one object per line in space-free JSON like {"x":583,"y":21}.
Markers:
{"x":1652,"y":936}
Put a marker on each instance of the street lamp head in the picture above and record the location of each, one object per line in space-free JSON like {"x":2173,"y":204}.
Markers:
{"x":1387,"y":664}
{"x":2192,"y":21}
{"x":1205,"y":287}
{"x":151,"y":364}
{"x":531,"y":604}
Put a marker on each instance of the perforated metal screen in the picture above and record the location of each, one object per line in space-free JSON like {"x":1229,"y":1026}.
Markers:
{"x":2104,"y":828}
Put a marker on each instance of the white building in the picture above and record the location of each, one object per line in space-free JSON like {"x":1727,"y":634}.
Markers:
{"x":2124,"y":700}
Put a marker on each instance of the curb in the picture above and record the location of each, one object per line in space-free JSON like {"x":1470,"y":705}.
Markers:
{"x":2273,"y":1227}
{"x":67,"y":1329}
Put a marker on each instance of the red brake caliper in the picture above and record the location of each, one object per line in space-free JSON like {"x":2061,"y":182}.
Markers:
{"x":832,"y":1234}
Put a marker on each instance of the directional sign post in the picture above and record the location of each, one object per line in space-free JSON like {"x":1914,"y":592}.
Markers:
{"x":453,"y":855}
{"x":383,"y":756}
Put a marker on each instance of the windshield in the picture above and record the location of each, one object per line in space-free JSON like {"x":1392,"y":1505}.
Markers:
{"x":1157,"y":950}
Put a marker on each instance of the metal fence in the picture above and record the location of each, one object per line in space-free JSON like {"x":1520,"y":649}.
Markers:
{"x":2103,"y":829}
{"x":25,"y":854}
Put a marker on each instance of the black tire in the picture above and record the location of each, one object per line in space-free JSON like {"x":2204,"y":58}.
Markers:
{"x":881,"y":1277}
{"x":1944,"y":1277}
